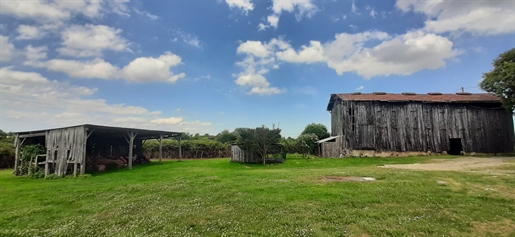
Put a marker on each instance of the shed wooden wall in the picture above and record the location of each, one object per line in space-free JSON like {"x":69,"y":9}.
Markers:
{"x":416,"y":126}
{"x":239,"y":155}
{"x":64,"y":146}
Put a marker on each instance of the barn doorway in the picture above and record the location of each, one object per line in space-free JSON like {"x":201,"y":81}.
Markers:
{"x":455,"y":146}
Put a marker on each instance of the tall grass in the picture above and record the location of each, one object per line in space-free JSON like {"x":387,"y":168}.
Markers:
{"x":218,"y":198}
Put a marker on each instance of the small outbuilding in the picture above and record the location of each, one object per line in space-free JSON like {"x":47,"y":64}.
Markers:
{"x":391,"y":124}
{"x":69,"y":149}
{"x":240,"y":155}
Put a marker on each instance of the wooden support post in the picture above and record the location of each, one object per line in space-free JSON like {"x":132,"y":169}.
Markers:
{"x":17,"y":144}
{"x":132,"y":135}
{"x":84,"y":156}
{"x":16,"y":153}
{"x":180,"y":151}
{"x":160,"y":148}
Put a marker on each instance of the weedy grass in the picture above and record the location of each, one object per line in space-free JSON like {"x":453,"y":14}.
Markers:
{"x":217,"y":198}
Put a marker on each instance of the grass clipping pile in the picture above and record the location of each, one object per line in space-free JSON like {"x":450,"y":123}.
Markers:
{"x":471,"y":164}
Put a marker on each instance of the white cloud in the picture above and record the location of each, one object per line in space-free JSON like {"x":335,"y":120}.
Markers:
{"x":190,"y":39}
{"x":301,"y":8}
{"x":481,"y":17}
{"x":91,"y":40}
{"x":171,"y":120}
{"x":151,"y":16}
{"x":354,"y":9}
{"x":257,"y":63}
{"x":245,"y":5}
{"x":45,"y":11}
{"x":255,"y":48}
{"x":149,"y":69}
{"x":273,"y":20}
{"x":420,"y":51}
{"x":369,"y":54}
{"x":266,"y":90}
{"x":143,"y":69}
{"x":43,"y":103}
{"x":308,"y":54}
{"x":252,"y":80}
{"x":360,"y":88}
{"x":262,"y":26}
{"x":373,"y":13}
{"x":34,"y":54}
{"x":7,"y":49}
{"x":96,"y":68}
{"x":39,"y":9}
{"x":27,"y":32}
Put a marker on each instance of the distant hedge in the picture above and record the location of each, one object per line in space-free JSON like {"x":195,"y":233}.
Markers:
{"x":202,"y":148}
{"x":6,"y":153}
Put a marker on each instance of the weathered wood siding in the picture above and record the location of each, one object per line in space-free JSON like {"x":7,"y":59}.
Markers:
{"x":416,"y":126}
{"x":332,"y":149}
{"x":239,"y":155}
{"x":65,"y":146}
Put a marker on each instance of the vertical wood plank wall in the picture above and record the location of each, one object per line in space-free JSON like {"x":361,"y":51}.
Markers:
{"x":416,"y":126}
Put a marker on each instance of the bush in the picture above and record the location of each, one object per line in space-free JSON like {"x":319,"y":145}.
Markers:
{"x":6,"y":153}
{"x":202,"y":148}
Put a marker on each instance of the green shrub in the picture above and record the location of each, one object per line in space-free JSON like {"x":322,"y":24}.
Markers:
{"x":6,"y":152}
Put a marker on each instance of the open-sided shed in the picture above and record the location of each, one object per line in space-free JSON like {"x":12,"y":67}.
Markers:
{"x":74,"y":146}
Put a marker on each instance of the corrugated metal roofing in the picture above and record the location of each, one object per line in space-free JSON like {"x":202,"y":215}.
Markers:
{"x":412,"y":97}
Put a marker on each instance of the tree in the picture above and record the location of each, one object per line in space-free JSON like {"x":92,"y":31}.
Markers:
{"x":226,"y":137}
{"x":307,"y":143}
{"x":501,"y":80}
{"x":260,"y":139}
{"x":316,"y":128}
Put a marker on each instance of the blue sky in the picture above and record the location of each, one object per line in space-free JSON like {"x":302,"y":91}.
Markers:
{"x":205,"y":66}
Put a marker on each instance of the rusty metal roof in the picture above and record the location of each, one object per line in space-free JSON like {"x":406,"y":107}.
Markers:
{"x":432,"y":97}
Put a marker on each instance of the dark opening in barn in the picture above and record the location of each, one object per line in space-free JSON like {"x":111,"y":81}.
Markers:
{"x":456,"y":146}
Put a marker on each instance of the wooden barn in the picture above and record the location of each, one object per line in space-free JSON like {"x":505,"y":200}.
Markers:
{"x":71,"y":149}
{"x":382,"y":124}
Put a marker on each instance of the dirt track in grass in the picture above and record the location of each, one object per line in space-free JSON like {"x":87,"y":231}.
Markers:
{"x":459,"y":164}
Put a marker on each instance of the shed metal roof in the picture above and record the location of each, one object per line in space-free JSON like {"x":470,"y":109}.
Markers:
{"x":142,"y":133}
{"x":432,"y":97}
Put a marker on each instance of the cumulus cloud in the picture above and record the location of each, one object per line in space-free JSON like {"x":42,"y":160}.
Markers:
{"x":481,"y":17}
{"x":7,"y":49}
{"x":54,"y":10}
{"x":31,"y":97}
{"x":313,"y":53}
{"x":143,"y":69}
{"x":257,"y":63}
{"x":369,"y":54}
{"x":255,"y":48}
{"x":96,"y":68}
{"x":91,"y":40}
{"x":420,"y":51}
{"x":245,"y":5}
{"x":301,"y":8}
{"x":26,"y":32}
{"x":149,"y":69}
{"x":35,"y":54}
{"x":171,"y":120}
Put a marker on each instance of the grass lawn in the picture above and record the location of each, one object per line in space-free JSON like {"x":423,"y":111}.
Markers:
{"x":217,"y":198}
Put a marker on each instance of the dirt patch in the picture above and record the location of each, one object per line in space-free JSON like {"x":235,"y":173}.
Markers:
{"x":500,"y":228}
{"x":348,"y":179}
{"x":459,"y":164}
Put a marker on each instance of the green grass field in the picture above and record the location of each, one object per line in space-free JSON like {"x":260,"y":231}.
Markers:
{"x":217,"y":198}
